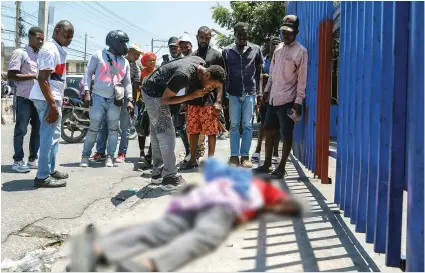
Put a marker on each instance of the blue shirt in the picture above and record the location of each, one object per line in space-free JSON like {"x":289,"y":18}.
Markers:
{"x":266,"y":65}
{"x":241,"y":69}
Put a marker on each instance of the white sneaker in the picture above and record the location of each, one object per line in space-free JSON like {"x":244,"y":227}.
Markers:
{"x":84,"y":162}
{"x":255,"y":157}
{"x":187,"y":158}
{"x":32,"y":164}
{"x":275,"y":160}
{"x":20,"y":167}
{"x":109,"y":162}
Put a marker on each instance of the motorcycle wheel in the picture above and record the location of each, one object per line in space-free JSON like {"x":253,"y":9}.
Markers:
{"x":68,"y":129}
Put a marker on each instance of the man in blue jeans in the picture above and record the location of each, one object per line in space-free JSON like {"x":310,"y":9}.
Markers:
{"x":112,"y":73}
{"x":243,"y":63}
{"x":23,"y":70}
{"x":133,"y":55}
{"x":47,"y":95}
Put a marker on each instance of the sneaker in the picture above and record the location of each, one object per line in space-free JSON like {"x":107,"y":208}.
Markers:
{"x":187,"y":158}
{"x":20,"y":167}
{"x":84,"y":162}
{"x":275,"y":160}
{"x":32,"y":164}
{"x":234,"y":161}
{"x":172,"y":183}
{"x":120,"y":158}
{"x":188,"y":165}
{"x":156,"y":179}
{"x":98,"y":157}
{"x":255,"y":157}
{"x":109,"y":162}
{"x":59,"y":175}
{"x":245,"y":162}
{"x":49,"y":182}
{"x":221,"y":137}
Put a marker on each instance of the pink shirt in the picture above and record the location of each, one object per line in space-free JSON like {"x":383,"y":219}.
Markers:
{"x":24,"y":60}
{"x":288,"y":74}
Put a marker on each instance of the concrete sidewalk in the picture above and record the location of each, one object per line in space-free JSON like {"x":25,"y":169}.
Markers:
{"x":321,"y":241}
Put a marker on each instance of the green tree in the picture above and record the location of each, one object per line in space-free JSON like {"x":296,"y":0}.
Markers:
{"x":264,"y":19}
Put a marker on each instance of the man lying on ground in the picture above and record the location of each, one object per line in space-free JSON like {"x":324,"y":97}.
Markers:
{"x":195,"y":224}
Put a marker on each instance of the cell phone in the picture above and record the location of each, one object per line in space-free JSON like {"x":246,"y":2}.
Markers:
{"x":166,"y":58}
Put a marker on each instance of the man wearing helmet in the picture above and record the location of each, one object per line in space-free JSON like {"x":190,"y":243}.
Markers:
{"x":112,"y":87}
{"x":159,"y":92}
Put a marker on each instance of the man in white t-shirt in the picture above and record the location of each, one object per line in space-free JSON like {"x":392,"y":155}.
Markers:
{"x":47,"y":95}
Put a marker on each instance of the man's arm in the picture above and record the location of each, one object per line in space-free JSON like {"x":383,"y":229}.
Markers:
{"x":127,"y":83}
{"x":169,"y":96}
{"x":91,"y":68}
{"x":302,"y":78}
{"x":258,"y":68}
{"x":14,"y":69}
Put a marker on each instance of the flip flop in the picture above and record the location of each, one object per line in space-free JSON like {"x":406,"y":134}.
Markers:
{"x":276,"y":174}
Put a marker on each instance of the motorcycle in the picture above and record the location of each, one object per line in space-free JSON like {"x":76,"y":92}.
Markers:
{"x":75,"y":117}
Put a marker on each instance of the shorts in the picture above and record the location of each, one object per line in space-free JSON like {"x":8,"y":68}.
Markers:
{"x":278,"y":119}
{"x":201,"y":119}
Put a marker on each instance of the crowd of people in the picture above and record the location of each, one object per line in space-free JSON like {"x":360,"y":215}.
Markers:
{"x":198,"y":96}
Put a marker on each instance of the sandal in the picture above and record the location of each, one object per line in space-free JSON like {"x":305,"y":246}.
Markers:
{"x":276,"y":174}
{"x":261,"y":170}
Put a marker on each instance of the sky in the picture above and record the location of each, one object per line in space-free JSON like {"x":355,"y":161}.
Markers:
{"x":146,"y":20}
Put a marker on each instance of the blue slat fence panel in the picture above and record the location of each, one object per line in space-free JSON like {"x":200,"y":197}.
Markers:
{"x":380,"y":148}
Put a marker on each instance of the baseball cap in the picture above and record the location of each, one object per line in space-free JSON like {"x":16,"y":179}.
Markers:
{"x":173,"y":41}
{"x":185,"y":38}
{"x":290,"y":23}
{"x":136,"y":47}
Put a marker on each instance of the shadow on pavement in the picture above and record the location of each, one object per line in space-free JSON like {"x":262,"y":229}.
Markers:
{"x":147,"y":192}
{"x":91,"y":165}
{"x":7,"y":169}
{"x":322,"y":240}
{"x":19,"y":185}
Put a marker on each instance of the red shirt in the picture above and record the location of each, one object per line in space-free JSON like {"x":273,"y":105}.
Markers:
{"x":270,"y":194}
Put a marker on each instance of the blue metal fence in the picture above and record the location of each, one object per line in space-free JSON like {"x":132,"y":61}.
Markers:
{"x":380,"y":118}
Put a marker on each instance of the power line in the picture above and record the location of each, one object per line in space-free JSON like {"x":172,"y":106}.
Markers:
{"x":125,"y":20}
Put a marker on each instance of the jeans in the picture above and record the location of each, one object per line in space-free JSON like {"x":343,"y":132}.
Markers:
{"x":241,"y":108}
{"x":163,"y":137}
{"x":125,"y":132}
{"x":50,"y":135}
{"x":102,"y":109}
{"x":26,"y":113}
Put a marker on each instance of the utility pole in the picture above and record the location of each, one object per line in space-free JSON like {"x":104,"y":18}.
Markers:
{"x":43,"y":16}
{"x":152,"y":45}
{"x":18,"y":25}
{"x":85,"y":49}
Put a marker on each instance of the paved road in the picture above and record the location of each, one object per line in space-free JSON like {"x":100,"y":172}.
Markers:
{"x":37,"y":219}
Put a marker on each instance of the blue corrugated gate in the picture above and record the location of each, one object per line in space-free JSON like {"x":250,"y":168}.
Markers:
{"x":380,"y":118}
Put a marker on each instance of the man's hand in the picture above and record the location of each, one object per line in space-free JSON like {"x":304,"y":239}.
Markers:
{"x":297,"y":108}
{"x":53,"y":114}
{"x":221,"y":127}
{"x":200,"y":93}
{"x":218,"y":107}
{"x":87,"y":97}
{"x":260,"y":100}
{"x":130,"y":108}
